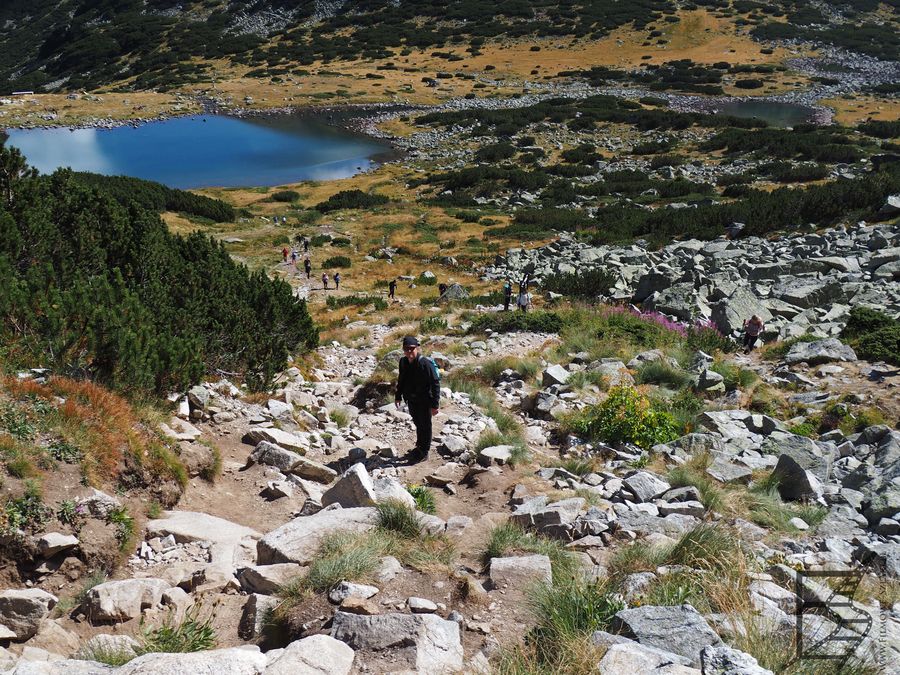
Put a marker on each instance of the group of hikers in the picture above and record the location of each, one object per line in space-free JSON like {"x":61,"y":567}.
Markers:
{"x":292,"y":255}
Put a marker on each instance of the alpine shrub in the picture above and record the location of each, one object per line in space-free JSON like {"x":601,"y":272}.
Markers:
{"x":625,"y":417}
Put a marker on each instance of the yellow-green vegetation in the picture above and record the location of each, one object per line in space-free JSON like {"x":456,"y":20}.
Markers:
{"x":509,"y":539}
{"x":353,"y":556}
{"x":759,"y":503}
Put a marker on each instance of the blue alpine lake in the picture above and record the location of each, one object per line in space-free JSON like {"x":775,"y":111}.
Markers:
{"x":206,"y":150}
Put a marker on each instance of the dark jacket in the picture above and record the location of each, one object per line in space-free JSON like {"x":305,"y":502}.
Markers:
{"x":418,"y":382}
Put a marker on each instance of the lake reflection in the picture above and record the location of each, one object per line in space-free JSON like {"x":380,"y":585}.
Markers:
{"x":204,"y":151}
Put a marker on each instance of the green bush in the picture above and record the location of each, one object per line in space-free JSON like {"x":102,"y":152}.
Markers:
{"x":874,"y":335}
{"x":286,"y":196}
{"x":517,"y":322}
{"x":424,"y":498}
{"x":188,"y":635}
{"x":395,"y":516}
{"x":624,"y":416}
{"x":340,"y":261}
{"x":350,"y":199}
{"x":707,"y":338}
{"x":587,"y":285}
{"x":336,"y":302}
{"x":662,"y":373}
{"x":433,"y":324}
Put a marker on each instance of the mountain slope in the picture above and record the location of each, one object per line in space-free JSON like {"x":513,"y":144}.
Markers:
{"x":146,"y":44}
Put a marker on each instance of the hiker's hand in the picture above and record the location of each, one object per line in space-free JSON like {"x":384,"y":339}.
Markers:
{"x":434,"y":411}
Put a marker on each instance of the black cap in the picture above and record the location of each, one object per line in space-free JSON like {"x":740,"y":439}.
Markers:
{"x":410,"y":341}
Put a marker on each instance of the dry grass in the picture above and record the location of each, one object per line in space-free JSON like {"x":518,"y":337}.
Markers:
{"x":110,"y":433}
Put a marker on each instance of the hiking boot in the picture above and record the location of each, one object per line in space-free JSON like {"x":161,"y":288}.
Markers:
{"x":416,"y":456}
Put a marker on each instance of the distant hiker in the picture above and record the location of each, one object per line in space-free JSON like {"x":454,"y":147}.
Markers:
{"x":442,"y":288}
{"x":507,"y":295}
{"x":752,"y":329}
{"x":293,"y":256}
{"x":284,"y":254}
{"x":337,"y":280}
{"x":523,"y":301}
{"x":325,"y":280}
{"x":392,"y":287}
{"x":523,"y":284}
{"x":306,"y":244}
{"x":419,"y":384}
{"x":307,"y":266}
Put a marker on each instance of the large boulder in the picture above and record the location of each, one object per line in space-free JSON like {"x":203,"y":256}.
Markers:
{"x":188,"y":526}
{"x":298,"y":540}
{"x":794,"y":482}
{"x":272,"y":454}
{"x":232,"y":661}
{"x":723,"y":660}
{"x":679,"y":629}
{"x":310,"y":470}
{"x":276,"y":437}
{"x":117,"y":601}
{"x":645,"y":486}
{"x":629,"y":658}
{"x":354,"y":488}
{"x":428,"y":643}
{"x":268,"y":579}
{"x":729,"y":314}
{"x":820,"y":351}
{"x":520,"y":571}
{"x":313,"y":655}
{"x":21,"y":610}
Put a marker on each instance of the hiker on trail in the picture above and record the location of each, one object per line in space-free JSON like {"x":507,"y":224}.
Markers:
{"x":523,"y":301}
{"x":307,"y":266}
{"x":306,"y":244}
{"x":325,"y":280}
{"x":442,"y":288}
{"x":523,"y":285}
{"x":294,"y":257}
{"x":284,"y":254}
{"x":392,"y":287}
{"x":507,"y":295}
{"x":337,"y":281}
{"x":419,"y":384}
{"x":752,"y":329}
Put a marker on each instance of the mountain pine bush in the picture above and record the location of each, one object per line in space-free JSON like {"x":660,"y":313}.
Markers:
{"x":93,"y":288}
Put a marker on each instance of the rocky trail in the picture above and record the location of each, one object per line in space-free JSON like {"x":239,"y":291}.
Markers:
{"x":324,"y":452}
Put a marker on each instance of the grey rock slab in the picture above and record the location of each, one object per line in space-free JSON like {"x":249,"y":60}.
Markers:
{"x":268,"y":579}
{"x":188,"y":526}
{"x":348,"y":589}
{"x":630,"y":658}
{"x":723,"y":660}
{"x":421,"y":605}
{"x":554,"y":374}
{"x":313,"y":655}
{"x":52,"y":543}
{"x":495,"y":454}
{"x":645,"y":486}
{"x":277,"y":437}
{"x":272,"y":454}
{"x":820,"y":351}
{"x":794,"y":482}
{"x":117,"y":601}
{"x":298,"y":540}
{"x":109,"y":644}
{"x":232,"y":661}
{"x":725,"y":471}
{"x":519,"y":571}
{"x":21,"y":610}
{"x":255,"y":615}
{"x":354,"y":488}
{"x":310,"y":470}
{"x":679,"y":629}
{"x":60,"y":667}
{"x":434,"y":642}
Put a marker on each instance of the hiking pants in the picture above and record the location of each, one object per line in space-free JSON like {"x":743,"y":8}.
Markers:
{"x":421,"y":416}
{"x":749,"y":341}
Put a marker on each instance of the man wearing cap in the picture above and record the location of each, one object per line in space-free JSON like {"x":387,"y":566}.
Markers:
{"x":419,"y":385}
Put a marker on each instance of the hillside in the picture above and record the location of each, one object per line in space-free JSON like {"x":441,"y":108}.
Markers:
{"x":49,"y":45}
